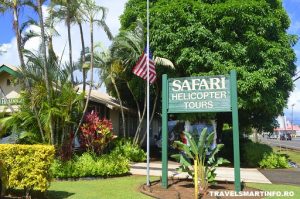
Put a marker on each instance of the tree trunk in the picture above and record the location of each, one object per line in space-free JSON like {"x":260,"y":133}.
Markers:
{"x":92,"y":76}
{"x":44,"y":57}
{"x":82,"y":57}
{"x":19,"y":39}
{"x":121,"y":105}
{"x":70,"y":47}
{"x":138,"y":130}
{"x":152,"y":115}
{"x":140,"y":116}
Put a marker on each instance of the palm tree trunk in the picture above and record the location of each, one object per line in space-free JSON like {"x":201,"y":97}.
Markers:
{"x":18,"y":35}
{"x":121,"y":105}
{"x":70,"y":47}
{"x":83,"y":56}
{"x":44,"y":57}
{"x":152,"y":114}
{"x":92,"y":76}
{"x":138,"y":130}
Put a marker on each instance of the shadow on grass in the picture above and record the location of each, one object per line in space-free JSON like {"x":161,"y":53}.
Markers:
{"x":57,"y":194}
{"x":17,"y":194}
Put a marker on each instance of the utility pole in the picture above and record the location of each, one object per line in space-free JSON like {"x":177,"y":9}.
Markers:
{"x":293,"y":117}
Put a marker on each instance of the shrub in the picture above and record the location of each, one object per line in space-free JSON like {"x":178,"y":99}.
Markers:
{"x":95,"y":133}
{"x":89,"y":165}
{"x":204,"y":165}
{"x":273,"y":160}
{"x":252,"y":153}
{"x":3,"y":179}
{"x":27,"y":166}
{"x":131,"y":151}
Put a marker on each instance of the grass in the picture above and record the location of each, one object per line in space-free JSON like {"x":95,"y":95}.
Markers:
{"x":291,"y":154}
{"x":121,"y":188}
{"x":276,"y":187}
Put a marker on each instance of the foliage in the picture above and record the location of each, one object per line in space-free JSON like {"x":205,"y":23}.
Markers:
{"x":95,"y":133}
{"x":88,"y":165}
{"x":273,"y":161}
{"x":204,"y":164}
{"x":43,"y":120}
{"x":27,"y":166}
{"x":253,"y":153}
{"x":292,"y":155}
{"x":129,"y":150}
{"x":3,"y":178}
{"x":214,"y":37}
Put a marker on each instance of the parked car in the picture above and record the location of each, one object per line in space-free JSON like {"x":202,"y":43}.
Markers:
{"x":288,"y":136}
{"x":285,"y":136}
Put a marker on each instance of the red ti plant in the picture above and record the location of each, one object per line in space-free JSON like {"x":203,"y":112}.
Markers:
{"x":95,"y":133}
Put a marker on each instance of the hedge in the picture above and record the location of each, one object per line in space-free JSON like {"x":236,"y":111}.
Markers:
{"x":89,"y":165}
{"x":26,"y":166}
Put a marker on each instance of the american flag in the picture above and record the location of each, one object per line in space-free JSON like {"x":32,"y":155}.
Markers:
{"x":140,"y":69}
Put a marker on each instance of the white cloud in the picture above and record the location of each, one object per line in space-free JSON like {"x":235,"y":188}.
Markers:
{"x":11,"y":56}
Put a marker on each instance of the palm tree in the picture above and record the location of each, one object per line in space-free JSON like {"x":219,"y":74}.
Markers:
{"x":127,"y":48}
{"x":36,"y":114}
{"x":90,"y":12}
{"x":66,"y":11}
{"x":14,"y":7}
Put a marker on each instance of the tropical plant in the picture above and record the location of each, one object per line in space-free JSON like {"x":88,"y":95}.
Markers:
{"x":130,"y":150}
{"x":96,"y":133}
{"x":65,"y":10}
{"x":125,"y":51}
{"x":199,"y":151}
{"x":90,"y":12}
{"x":14,"y":7}
{"x":36,"y":113}
{"x":273,"y":161}
{"x":88,"y":165}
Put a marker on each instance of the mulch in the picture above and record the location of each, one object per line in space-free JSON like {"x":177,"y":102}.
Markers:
{"x":184,"y":189}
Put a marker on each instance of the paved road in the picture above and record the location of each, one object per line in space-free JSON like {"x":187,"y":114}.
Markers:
{"x":294,"y":144}
{"x":282,"y":176}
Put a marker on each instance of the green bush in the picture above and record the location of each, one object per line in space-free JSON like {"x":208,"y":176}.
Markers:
{"x":273,"y":161}
{"x":252,"y":153}
{"x":89,"y":165}
{"x":3,"y":179}
{"x":131,"y":151}
{"x":26,"y":166}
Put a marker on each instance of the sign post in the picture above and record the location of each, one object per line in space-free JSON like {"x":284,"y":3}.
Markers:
{"x":200,"y":94}
{"x":164,"y":130}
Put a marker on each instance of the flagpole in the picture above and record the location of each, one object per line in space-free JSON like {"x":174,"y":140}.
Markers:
{"x":148,"y":99}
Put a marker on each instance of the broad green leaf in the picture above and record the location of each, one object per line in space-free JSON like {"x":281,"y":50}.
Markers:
{"x":201,"y":141}
{"x":192,"y":143}
{"x":186,"y":149}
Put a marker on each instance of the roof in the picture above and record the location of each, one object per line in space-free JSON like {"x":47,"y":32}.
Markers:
{"x":104,"y":98}
{"x":12,"y":70}
{"x":289,"y":128}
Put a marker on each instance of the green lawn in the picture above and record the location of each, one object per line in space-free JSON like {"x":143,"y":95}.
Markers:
{"x":127,"y":188}
{"x":292,"y":155}
{"x":276,"y":187}
{"x":121,"y":187}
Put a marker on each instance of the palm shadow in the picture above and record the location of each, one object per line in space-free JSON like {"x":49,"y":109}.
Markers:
{"x":58,"y":194}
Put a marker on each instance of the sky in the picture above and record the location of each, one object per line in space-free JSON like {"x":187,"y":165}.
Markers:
{"x":115,"y":9}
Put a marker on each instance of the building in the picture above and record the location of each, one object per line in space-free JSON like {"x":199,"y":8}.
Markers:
{"x":105,"y":105}
{"x":286,"y":127}
{"x":9,"y":89}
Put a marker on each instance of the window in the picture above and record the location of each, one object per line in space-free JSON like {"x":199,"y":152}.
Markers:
{"x":8,"y":82}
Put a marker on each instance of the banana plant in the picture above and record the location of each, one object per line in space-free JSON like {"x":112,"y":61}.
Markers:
{"x":199,"y":152}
